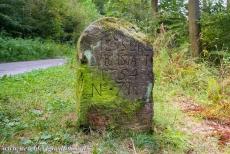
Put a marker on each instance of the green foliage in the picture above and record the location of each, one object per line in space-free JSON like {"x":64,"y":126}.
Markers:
{"x":216,"y":35}
{"x":49,"y":96}
{"x":173,"y":17}
{"x":215,"y":31}
{"x":100,"y":4}
{"x":213,"y":6}
{"x":78,"y":14}
{"x":147,"y":141}
{"x":9,"y":125}
{"x":177,"y":75}
{"x":182,"y":72}
{"x":19,"y":49}
{"x":61,"y":20}
{"x":214,"y":90}
{"x":173,"y":6}
{"x":127,"y":9}
{"x":11,"y":16}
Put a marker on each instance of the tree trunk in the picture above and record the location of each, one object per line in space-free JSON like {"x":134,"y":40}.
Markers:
{"x":154,"y":7}
{"x":228,"y":4}
{"x":205,"y":5}
{"x":194,"y":27}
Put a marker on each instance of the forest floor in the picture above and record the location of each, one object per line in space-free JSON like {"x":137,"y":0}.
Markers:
{"x":208,"y":135}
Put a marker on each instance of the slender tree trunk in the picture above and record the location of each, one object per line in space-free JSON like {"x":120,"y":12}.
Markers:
{"x":205,"y":5}
{"x":228,"y":4}
{"x":194,"y":27}
{"x":154,"y":7}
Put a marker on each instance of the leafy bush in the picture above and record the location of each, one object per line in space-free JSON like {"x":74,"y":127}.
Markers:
{"x":61,"y":20}
{"x":19,"y":49}
{"x":216,"y":34}
{"x":77,"y":15}
{"x":135,"y":11}
{"x":171,"y":16}
{"x":214,"y":90}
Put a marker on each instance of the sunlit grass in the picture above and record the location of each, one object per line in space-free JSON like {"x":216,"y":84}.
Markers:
{"x":39,"y":108}
{"x":35,"y":105}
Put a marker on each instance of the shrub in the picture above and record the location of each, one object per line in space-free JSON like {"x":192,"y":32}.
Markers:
{"x":60,"y":20}
{"x":216,"y":35}
{"x":128,"y":10}
{"x":171,"y":16}
{"x":19,"y":49}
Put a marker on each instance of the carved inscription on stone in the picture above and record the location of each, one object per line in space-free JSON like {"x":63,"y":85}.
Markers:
{"x":126,"y":60}
{"x":116,"y":63}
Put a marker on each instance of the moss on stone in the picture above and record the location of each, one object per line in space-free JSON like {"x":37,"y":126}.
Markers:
{"x":128,"y":29}
{"x":110,"y":103}
{"x":114,"y":24}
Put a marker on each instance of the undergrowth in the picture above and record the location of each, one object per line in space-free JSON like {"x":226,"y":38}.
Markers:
{"x":18,"y":49}
{"x":196,"y":78}
{"x":178,"y":75}
{"x":39,"y":108}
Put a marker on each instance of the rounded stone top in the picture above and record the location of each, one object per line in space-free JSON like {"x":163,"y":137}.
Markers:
{"x":96,"y":30}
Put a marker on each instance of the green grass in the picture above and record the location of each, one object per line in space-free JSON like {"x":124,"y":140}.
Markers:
{"x":35,"y":106}
{"x":178,"y":75}
{"x":18,"y":49}
{"x":39,"y":108}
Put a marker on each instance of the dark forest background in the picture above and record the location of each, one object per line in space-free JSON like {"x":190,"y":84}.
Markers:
{"x":62,"y":21}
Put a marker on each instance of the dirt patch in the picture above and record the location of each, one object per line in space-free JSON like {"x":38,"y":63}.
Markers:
{"x":220,"y":130}
{"x":206,"y":127}
{"x":189,"y":106}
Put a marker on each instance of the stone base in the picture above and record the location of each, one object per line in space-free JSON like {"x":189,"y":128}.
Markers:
{"x":141,"y":121}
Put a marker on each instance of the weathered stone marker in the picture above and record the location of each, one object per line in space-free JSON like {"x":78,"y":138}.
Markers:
{"x":115,"y":76}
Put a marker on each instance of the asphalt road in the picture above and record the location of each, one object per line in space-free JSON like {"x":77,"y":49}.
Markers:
{"x":27,"y":66}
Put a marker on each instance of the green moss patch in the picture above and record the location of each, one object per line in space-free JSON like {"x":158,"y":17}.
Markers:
{"x":98,"y":94}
